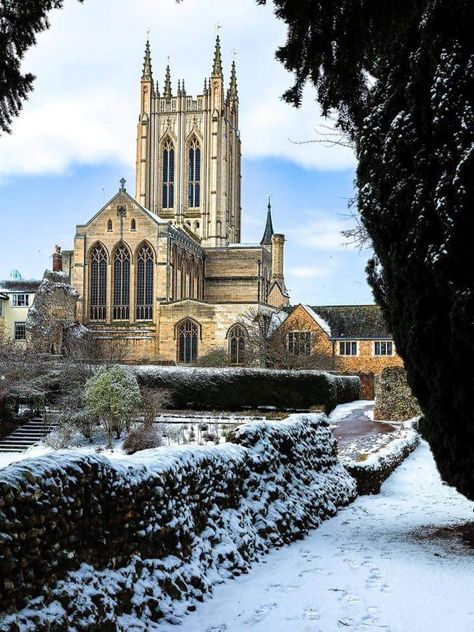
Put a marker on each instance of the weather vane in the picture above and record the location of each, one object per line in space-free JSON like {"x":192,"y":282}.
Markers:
{"x":218,"y":27}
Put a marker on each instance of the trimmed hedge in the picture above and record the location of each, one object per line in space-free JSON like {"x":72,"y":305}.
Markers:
{"x":237,"y":388}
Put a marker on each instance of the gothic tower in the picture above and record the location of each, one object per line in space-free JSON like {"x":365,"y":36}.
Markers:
{"x":188,"y":153}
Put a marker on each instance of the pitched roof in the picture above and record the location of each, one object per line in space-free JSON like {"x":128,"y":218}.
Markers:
{"x":19,"y":286}
{"x":353,"y":321}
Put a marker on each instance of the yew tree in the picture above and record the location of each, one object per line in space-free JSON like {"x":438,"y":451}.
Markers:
{"x":399,"y":79}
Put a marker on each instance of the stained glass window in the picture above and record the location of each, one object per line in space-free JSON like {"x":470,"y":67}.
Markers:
{"x":168,"y":175}
{"x":145,"y":283}
{"x":121,"y":307}
{"x":98,"y":283}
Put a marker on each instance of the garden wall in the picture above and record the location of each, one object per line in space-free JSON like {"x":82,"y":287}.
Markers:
{"x":373,"y":471}
{"x":107,"y":543}
{"x":393,"y":397}
{"x":237,"y":388}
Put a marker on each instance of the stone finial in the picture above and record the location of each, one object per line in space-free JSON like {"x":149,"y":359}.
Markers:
{"x":147,"y":74}
{"x":217,"y":64}
{"x":57,"y":259}
{"x":232,"y":93}
{"x":122,"y":185}
{"x":167,"y":88}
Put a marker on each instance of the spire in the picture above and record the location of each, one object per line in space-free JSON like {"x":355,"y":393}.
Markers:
{"x":179,"y":88}
{"x":157,"y":89}
{"x":147,"y":72}
{"x":232,"y":92}
{"x":167,"y":87}
{"x":267,"y":235}
{"x":217,"y":65}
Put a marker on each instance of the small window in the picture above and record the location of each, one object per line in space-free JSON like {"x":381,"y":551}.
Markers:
{"x":133,"y":225}
{"x":109,"y":225}
{"x":21,"y":300}
{"x":20,"y":331}
{"x":383,"y":348}
{"x":299,"y":342}
{"x":347,"y":348}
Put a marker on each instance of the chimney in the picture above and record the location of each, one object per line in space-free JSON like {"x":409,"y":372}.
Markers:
{"x":278,"y":245}
{"x":57,"y":259}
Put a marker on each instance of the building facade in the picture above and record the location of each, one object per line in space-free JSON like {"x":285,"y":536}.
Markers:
{"x":16,"y":299}
{"x":354,"y":337}
{"x":165,"y":270}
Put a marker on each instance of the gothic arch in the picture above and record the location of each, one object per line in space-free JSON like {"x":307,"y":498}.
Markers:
{"x":98,"y":260}
{"x":145,"y":259}
{"x":121,"y":281}
{"x":168,"y":171}
{"x":237,"y":338}
{"x":188,"y":334}
{"x":193,"y":170}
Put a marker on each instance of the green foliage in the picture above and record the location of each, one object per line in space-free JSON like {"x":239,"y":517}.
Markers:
{"x":113,"y":397}
{"x":399,"y":77}
{"x":20,"y":24}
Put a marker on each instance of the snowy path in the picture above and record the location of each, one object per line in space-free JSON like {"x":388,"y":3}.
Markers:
{"x":365,"y":569}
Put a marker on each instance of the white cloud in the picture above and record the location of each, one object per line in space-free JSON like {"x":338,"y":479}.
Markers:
{"x":323,"y":233}
{"x":85,"y":104}
{"x":309,"y":272}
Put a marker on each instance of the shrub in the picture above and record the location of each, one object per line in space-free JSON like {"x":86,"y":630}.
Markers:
{"x":113,"y":397}
{"x":142,"y":437}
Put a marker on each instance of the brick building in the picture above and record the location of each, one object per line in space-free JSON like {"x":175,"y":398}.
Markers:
{"x":355,"y":337}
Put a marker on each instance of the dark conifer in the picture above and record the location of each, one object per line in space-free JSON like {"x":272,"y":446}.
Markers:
{"x":400,"y":78}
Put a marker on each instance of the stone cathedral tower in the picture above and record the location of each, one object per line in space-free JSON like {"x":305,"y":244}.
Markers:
{"x":188,"y":154}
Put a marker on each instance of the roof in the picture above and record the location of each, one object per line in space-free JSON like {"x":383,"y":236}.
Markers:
{"x":353,"y":321}
{"x":19,"y":286}
{"x":268,"y":232}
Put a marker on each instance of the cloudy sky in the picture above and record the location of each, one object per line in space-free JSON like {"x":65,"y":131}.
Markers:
{"x":76,"y":135}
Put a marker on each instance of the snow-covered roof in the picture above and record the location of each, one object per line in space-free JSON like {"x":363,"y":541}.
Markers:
{"x":30,"y":286}
{"x":319,"y":319}
{"x":276,"y":319}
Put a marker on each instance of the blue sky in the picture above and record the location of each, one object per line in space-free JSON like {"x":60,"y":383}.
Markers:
{"x":75,"y":137}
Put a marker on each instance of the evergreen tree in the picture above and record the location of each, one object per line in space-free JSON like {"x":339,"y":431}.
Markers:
{"x":400,"y":78}
{"x":20,"y":22}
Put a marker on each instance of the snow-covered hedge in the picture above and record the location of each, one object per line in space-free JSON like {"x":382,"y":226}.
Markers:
{"x":236,"y":388}
{"x":159,"y":528}
{"x":371,"y":473}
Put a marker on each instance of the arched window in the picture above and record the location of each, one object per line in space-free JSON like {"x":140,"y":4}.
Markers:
{"x":167,"y":200}
{"x":237,"y":340}
{"x":194,"y":174}
{"x":109,"y":225}
{"x":121,"y":306}
{"x":144,"y":283}
{"x":133,"y":225}
{"x":98,"y":283}
{"x":187,"y":342}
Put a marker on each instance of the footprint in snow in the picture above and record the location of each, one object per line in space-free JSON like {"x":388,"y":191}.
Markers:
{"x":311,"y":614}
{"x":260,"y":613}
{"x":217,"y":628}
{"x":284,"y":588}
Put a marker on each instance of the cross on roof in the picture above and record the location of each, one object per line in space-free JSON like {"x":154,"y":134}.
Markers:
{"x":122,"y":184}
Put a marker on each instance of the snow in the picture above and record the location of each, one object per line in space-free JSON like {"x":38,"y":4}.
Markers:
{"x":319,"y":320}
{"x":367,"y":568}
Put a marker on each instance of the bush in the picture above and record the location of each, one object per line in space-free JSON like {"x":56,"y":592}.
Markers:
{"x":113,"y":397}
{"x":217,"y":357}
{"x":142,"y":437}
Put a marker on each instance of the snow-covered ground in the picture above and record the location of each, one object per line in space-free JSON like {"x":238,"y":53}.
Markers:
{"x":368,"y":568}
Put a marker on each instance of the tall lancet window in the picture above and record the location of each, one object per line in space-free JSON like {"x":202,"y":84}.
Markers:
{"x":121,"y":307}
{"x":98,"y":283}
{"x":194,"y":174}
{"x":167,"y":200}
{"x":144,"y":283}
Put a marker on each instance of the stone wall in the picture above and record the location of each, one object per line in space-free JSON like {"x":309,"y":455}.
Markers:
{"x":101,"y":542}
{"x":53,"y":311}
{"x":393,"y":396}
{"x":239,"y":388}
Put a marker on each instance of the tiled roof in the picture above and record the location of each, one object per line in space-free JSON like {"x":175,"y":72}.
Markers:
{"x":353,"y":321}
{"x":19,"y":286}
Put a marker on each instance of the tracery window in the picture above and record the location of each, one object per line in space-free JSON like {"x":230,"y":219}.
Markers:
{"x":194,"y":174}
{"x":168,"y":175}
{"x":144,"y":283}
{"x":121,"y":306}
{"x":98,"y":283}
{"x":187,"y":342}
{"x":237,"y":340}
{"x":299,"y":342}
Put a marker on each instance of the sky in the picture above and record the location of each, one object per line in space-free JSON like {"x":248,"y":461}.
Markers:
{"x":75,"y":137}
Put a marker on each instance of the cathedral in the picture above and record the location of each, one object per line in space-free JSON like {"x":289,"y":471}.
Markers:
{"x":165,"y":270}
